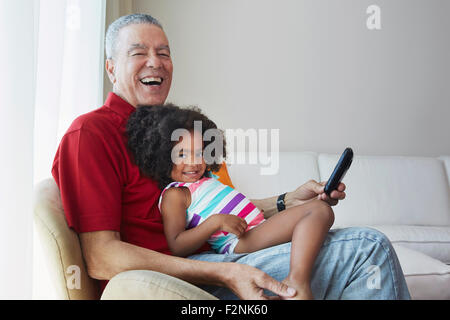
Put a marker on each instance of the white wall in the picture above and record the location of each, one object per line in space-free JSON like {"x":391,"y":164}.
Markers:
{"x":314,"y":70}
{"x":114,"y":10}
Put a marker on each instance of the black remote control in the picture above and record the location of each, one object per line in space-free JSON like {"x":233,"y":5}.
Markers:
{"x":339,"y":171}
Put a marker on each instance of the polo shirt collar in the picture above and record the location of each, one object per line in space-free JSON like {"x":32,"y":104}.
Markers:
{"x":119,"y":105}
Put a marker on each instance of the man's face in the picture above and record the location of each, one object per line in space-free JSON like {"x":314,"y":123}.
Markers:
{"x":141,"y":69}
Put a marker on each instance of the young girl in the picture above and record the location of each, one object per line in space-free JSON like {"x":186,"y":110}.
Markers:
{"x":196,"y":207}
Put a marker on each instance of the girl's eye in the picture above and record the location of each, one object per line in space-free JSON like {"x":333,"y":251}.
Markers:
{"x":182,"y":155}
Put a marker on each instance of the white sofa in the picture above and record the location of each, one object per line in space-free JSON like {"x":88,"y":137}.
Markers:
{"x":406,"y":198}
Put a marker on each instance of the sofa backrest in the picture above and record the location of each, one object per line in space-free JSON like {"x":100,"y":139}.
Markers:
{"x":294,"y":168}
{"x":386,"y":190}
{"x":380,"y":189}
{"x":446,"y":160}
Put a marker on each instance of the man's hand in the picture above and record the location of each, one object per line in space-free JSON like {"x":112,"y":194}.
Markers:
{"x":248,"y":283}
{"x":315,"y":190}
{"x":231,"y":223}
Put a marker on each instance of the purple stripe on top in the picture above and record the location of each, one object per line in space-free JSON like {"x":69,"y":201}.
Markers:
{"x":233,"y":203}
{"x":194,"y":221}
{"x":171,"y":184}
{"x":225,"y":250}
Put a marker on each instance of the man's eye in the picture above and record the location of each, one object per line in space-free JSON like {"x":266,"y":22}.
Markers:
{"x":137,"y":54}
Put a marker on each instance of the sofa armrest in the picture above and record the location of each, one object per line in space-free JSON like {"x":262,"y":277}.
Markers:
{"x":151,"y":285}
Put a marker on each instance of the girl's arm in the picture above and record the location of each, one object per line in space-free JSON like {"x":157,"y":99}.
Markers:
{"x":184,"y":242}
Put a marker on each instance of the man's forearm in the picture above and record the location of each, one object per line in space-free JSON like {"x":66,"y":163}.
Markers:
{"x":106,"y":255}
{"x":111,"y":257}
{"x":269,"y":205}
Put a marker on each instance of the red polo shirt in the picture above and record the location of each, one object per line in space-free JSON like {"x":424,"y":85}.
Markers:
{"x":101,"y":188}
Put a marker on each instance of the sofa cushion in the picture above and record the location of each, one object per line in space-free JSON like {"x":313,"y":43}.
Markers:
{"x":427,"y":278}
{"x":384,"y":190}
{"x":294,"y":169}
{"x":432,"y":241}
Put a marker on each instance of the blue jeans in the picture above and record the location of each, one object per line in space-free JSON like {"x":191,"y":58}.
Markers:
{"x":353,"y":263}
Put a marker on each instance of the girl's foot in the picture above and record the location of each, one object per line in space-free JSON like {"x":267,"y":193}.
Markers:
{"x":303,"y":290}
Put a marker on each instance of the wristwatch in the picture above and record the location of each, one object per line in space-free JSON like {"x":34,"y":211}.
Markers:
{"x":280,"y":202}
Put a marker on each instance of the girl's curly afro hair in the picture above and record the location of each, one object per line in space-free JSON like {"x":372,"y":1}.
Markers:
{"x":149,"y":131}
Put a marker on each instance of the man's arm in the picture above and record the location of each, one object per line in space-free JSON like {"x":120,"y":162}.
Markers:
{"x":308,"y":191}
{"x":106,"y":255}
{"x":269,"y":205}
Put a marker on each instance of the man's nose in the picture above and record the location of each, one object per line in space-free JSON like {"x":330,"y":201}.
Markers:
{"x":154,"y":61}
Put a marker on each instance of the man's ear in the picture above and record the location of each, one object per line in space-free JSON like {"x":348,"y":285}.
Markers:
{"x":110,"y":68}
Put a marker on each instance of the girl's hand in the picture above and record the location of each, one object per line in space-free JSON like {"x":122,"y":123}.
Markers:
{"x":231,"y":223}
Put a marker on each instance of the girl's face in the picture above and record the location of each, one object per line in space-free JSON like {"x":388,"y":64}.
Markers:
{"x":187,"y":158}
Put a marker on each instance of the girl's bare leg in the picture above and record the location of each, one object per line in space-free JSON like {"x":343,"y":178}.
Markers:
{"x":306,"y":226}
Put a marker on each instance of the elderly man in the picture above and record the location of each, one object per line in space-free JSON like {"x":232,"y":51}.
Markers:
{"x":114,"y":208}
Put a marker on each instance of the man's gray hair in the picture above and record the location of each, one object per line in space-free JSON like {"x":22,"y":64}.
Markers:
{"x":116,"y":26}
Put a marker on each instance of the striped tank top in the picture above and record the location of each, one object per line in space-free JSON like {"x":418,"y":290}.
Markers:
{"x":210,"y":196}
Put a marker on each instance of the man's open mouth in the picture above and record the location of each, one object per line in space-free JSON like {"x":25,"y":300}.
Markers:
{"x":152,"y":81}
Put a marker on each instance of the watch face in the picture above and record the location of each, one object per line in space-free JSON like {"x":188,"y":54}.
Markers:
{"x":280,"y":202}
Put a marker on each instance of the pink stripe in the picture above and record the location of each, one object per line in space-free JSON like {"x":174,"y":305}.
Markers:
{"x":195,"y":185}
{"x":247,"y":209}
{"x":218,"y":234}
{"x":255,"y":222}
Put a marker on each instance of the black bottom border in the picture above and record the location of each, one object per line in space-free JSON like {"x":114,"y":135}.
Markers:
{"x":234,"y":310}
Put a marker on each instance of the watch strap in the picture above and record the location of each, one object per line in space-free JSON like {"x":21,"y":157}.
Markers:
{"x":280,"y":202}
